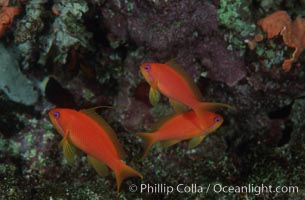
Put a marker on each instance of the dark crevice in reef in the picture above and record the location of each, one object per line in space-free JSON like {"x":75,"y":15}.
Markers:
{"x":280,"y":113}
{"x":65,"y":99}
{"x":286,"y":134}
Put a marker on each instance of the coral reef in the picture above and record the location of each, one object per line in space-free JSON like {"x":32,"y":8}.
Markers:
{"x":236,"y":17}
{"x":65,"y":32}
{"x":196,"y":36}
{"x":80,"y":54}
{"x":67,"y":29}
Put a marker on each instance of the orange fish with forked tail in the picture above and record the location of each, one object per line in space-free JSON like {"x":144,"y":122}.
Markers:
{"x":172,"y":81}
{"x":178,"y":127}
{"x":87,"y":131}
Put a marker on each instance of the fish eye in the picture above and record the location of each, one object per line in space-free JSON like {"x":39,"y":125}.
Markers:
{"x":147,"y":67}
{"x":56,"y":115}
{"x":216,"y":119}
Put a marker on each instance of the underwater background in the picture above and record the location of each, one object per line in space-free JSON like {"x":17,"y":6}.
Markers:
{"x":81,"y":54}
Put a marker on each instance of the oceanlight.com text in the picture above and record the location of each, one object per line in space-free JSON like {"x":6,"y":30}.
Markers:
{"x":216,"y":188}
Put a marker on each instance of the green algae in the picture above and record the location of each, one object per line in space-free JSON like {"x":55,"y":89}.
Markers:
{"x":234,"y":16}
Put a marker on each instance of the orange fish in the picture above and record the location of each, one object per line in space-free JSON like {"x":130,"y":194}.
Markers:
{"x":175,"y":128}
{"x":172,"y":81}
{"x":87,"y":131}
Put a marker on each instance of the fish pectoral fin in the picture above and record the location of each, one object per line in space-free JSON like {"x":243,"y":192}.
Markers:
{"x":154,"y":96}
{"x":99,"y":167}
{"x":194,"y":142}
{"x":69,"y":149}
{"x":177,"y":106}
{"x":169,"y":143}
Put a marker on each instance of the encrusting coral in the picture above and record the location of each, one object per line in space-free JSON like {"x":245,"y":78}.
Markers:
{"x":7,"y":16}
{"x":293,"y":33}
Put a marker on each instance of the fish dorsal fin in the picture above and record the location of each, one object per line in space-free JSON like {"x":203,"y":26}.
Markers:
{"x":96,"y":107}
{"x":108,"y":130}
{"x":162,"y":121}
{"x":177,"y":68}
{"x":213,"y":106}
{"x":99,"y":167}
{"x":169,"y":143}
{"x":177,"y":106}
{"x":194,"y":142}
{"x":69,"y":149}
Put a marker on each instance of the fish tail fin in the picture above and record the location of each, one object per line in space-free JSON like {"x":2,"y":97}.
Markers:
{"x":148,"y":141}
{"x":122,"y":172}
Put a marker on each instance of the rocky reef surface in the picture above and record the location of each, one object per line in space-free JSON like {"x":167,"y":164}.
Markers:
{"x":80,"y":54}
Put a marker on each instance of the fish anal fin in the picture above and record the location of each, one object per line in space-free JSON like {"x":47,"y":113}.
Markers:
{"x":154,"y":96}
{"x":108,"y":130}
{"x":169,"y":143}
{"x":177,"y":106}
{"x":194,"y":142}
{"x":68,"y":149}
{"x":99,"y":167}
{"x":173,"y":64}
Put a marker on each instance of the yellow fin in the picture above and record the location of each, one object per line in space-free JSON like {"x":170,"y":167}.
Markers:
{"x":97,"y":107}
{"x":154,"y":96}
{"x":99,"y":167}
{"x":110,"y":132}
{"x":148,"y":141}
{"x":177,"y":106}
{"x":194,"y":142}
{"x":213,"y":106}
{"x":172,"y":63}
{"x":122,"y":172}
{"x":69,"y":149}
{"x":169,"y":143}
